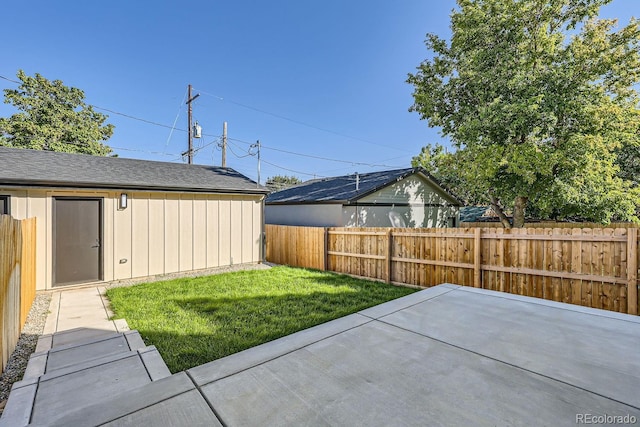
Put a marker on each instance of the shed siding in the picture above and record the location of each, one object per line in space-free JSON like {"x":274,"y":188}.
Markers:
{"x":236,"y":232}
{"x":224,"y":242}
{"x":199,"y":232}
{"x":185,"y":234}
{"x":121,"y":241}
{"x":213,"y":233}
{"x":158,"y":233}
{"x":257,"y":230}
{"x":172,"y":234}
{"x":157,"y":247}
{"x":140,"y":244}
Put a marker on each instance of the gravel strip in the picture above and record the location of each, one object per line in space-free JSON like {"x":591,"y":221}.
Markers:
{"x":197,"y":273}
{"x":14,"y":371}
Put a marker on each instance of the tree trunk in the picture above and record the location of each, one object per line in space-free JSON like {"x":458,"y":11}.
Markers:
{"x":519,"y":207}
{"x":495,"y":205}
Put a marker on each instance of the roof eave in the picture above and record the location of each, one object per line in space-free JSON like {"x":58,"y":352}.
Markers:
{"x":308,"y":202}
{"x":110,"y":186}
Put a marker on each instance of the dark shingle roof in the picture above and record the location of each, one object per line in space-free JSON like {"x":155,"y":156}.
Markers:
{"x":472,"y":213}
{"x":47,"y":168}
{"x":342,"y":189}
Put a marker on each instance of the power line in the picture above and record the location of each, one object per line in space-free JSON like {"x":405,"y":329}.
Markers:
{"x":373,"y":165}
{"x":279,"y":116}
{"x":129,"y":116}
{"x":217,"y":140}
{"x":138,"y":118}
{"x":235,"y":154}
{"x":173,"y":128}
{"x":249,"y":153}
{"x":292,"y":170}
{"x":175,"y":120}
{"x":9,"y":80}
{"x":323,"y":158}
{"x":143,"y":151}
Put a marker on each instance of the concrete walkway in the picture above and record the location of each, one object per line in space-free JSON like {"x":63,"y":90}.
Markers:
{"x":81,"y":358}
{"x":81,"y":308}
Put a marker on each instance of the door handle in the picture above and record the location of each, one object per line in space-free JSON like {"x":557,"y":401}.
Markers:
{"x":97,"y":245}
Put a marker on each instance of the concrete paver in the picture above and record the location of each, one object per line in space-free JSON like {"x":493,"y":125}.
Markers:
{"x":79,"y":308}
{"x":442,"y":356}
{"x":229,"y":365}
{"x":67,"y":389}
{"x":585,"y":350}
{"x":172,"y":401}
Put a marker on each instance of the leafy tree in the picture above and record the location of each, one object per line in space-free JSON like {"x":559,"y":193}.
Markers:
{"x":447,"y":167}
{"x":53,"y":117}
{"x":539,"y":117}
{"x":280,"y":182}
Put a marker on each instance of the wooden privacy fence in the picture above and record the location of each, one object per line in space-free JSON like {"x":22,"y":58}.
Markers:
{"x":17,"y":279}
{"x":553,"y":224}
{"x":590,"y":267}
{"x":296,"y":246}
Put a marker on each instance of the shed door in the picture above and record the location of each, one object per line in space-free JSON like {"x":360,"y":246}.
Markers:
{"x":77,"y":238}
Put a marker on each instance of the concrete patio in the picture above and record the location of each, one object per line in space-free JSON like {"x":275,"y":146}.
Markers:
{"x":447,"y":355}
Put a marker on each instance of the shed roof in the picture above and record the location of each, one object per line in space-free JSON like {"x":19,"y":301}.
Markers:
{"x":342,"y":189}
{"x":53,"y":169}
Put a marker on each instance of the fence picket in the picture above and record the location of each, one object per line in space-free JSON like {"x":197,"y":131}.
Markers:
{"x":585,"y":266}
{"x":17,"y":280}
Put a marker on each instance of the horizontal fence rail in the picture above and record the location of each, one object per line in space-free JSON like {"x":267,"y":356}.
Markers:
{"x":592,"y":267}
{"x":17,"y":280}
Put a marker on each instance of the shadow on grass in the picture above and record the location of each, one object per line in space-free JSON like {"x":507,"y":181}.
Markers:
{"x":237,"y":324}
{"x":195,"y":321}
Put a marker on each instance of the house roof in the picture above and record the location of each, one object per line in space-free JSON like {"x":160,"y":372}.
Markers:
{"x":53,"y":169}
{"x":342,"y":189}
{"x":473,"y":213}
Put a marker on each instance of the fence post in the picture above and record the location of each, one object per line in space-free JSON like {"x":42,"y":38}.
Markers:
{"x":389,"y":254}
{"x":477,"y":273}
{"x":326,"y":249}
{"x":632,"y":271}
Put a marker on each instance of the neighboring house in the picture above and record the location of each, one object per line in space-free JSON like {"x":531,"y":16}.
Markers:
{"x":101,"y":219}
{"x":476,"y":214}
{"x":396,"y":198}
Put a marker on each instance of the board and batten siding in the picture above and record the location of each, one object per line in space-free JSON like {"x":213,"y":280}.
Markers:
{"x":163,"y":233}
{"x":158,"y":233}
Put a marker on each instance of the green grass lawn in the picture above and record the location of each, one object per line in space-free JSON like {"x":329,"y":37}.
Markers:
{"x":196,"y":320}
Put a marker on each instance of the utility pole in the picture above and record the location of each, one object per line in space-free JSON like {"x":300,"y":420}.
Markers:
{"x":224,"y":145}
{"x":190,"y":126}
{"x":251,"y":147}
{"x":258,"y":142}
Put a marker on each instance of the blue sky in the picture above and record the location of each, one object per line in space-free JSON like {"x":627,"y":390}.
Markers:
{"x":319,"y":78}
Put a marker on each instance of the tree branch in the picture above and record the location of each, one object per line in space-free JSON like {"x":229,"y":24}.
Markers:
{"x":495,"y":205}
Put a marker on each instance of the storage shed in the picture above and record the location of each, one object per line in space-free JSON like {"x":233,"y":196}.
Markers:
{"x":396,"y":198}
{"x":101,"y":219}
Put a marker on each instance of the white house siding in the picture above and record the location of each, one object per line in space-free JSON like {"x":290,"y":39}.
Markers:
{"x":416,"y":216}
{"x":413,"y":202}
{"x":158,"y":233}
{"x":312,"y":215}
